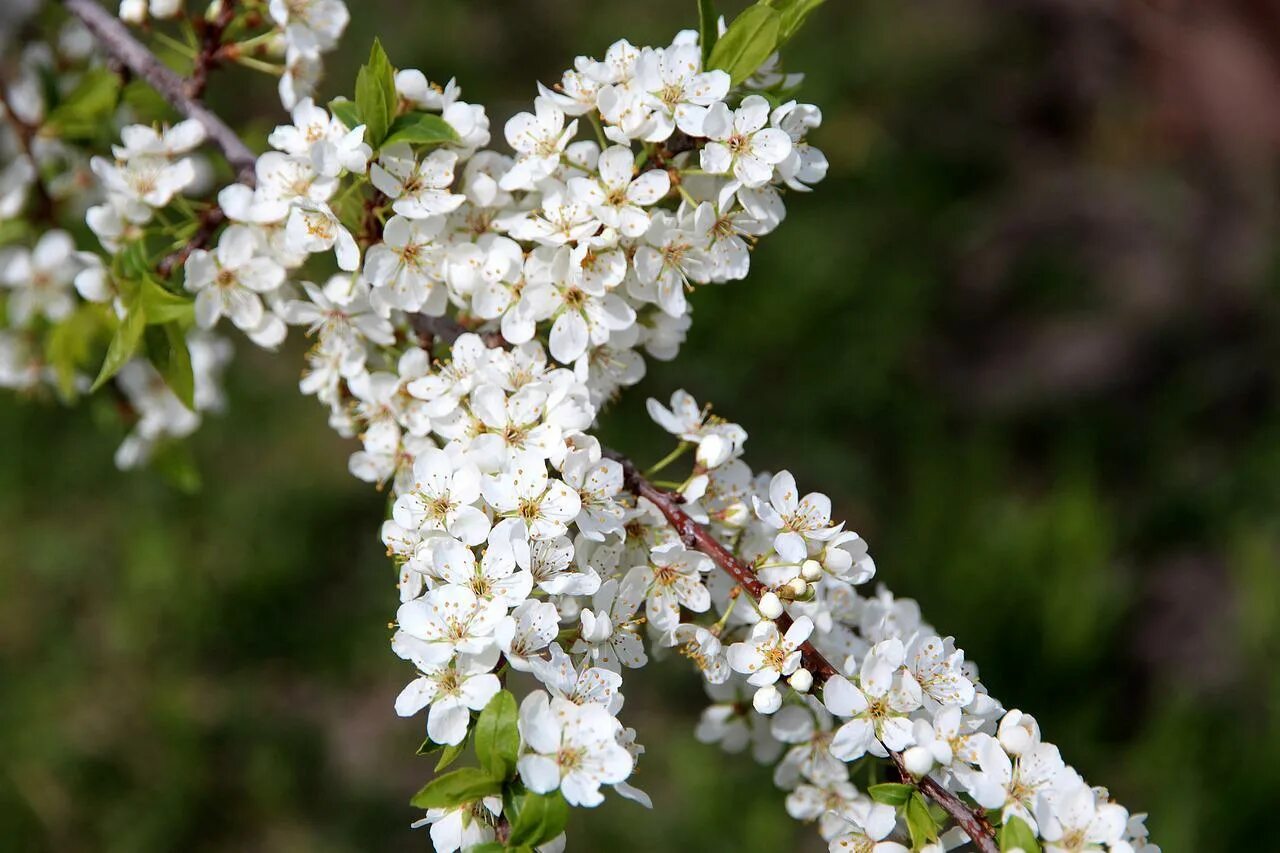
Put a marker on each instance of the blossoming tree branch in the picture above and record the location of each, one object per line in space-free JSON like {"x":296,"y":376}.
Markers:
{"x":472,"y":311}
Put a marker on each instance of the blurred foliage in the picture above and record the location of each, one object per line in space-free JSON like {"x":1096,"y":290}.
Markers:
{"x":1025,"y":336}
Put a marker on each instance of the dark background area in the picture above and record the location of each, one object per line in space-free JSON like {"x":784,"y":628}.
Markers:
{"x":1025,"y":335}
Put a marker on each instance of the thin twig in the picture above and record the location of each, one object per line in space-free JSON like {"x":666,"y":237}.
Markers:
{"x":115,"y":37}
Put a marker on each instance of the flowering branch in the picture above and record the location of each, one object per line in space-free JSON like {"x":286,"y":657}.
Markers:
{"x":116,"y":39}
{"x":696,"y":536}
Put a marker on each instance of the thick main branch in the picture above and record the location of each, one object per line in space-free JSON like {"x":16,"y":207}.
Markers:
{"x":116,"y":39}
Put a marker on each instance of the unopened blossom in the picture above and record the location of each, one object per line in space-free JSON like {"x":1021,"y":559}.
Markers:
{"x":741,"y":143}
{"x":571,"y":747}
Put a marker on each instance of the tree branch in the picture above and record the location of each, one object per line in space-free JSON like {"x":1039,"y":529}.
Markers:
{"x":695,"y":536}
{"x":116,"y":39}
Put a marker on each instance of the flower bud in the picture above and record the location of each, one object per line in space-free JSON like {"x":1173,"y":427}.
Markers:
{"x":767,"y":700}
{"x":801,"y":680}
{"x":811,"y":570}
{"x":770,"y":606}
{"x":918,"y":761}
{"x":798,"y":587}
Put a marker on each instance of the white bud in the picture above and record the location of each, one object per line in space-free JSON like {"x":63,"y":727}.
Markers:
{"x":767,"y":699}
{"x":811,"y":570}
{"x":797,"y":587}
{"x":133,"y":11}
{"x":918,"y":761}
{"x":737,"y":515}
{"x":801,"y":680}
{"x":770,"y":606}
{"x":165,"y":8}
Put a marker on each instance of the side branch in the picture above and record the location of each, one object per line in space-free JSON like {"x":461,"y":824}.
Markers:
{"x":695,"y":536}
{"x":116,"y":39}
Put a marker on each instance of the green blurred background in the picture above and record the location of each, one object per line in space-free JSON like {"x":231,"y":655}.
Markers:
{"x":1025,"y":335}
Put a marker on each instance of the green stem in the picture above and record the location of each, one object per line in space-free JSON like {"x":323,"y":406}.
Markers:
{"x":681,"y":449}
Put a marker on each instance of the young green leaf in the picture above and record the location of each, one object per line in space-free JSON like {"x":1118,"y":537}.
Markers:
{"x":487,"y":847}
{"x":541,"y":818}
{"x":420,"y":129}
{"x":347,"y":112}
{"x":708,"y":31}
{"x":464,"y":785}
{"x":175,"y":366}
{"x":891,"y":793}
{"x":376,"y":95}
{"x":1015,"y":834}
{"x":919,"y":822}
{"x":164,"y":306}
{"x":123,"y":344}
{"x":794,"y":13}
{"x":498,"y":737}
{"x":450,"y":754}
{"x":70,"y":345}
{"x":747,"y":43}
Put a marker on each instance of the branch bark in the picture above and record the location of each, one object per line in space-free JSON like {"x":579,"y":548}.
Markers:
{"x":116,"y":39}
{"x":695,"y":536}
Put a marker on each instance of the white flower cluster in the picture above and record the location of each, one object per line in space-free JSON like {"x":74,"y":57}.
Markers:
{"x":519,"y":543}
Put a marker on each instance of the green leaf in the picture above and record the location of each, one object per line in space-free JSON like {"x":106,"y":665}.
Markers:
{"x":464,"y":785}
{"x":123,"y":344}
{"x":450,"y":753}
{"x":487,"y":847}
{"x":171,"y":357}
{"x":794,"y":13}
{"x":541,"y":818}
{"x":420,"y":129}
{"x":708,"y":32}
{"x":919,"y":822}
{"x":498,"y":737}
{"x":376,"y":95}
{"x":891,"y":793}
{"x":164,"y":306}
{"x":747,"y":43}
{"x":347,"y":112}
{"x":1017,"y":833}
{"x":83,"y":113}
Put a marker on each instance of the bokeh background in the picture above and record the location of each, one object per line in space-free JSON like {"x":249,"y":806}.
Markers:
{"x":1027,"y":336}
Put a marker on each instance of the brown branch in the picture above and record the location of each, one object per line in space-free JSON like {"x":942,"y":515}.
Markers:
{"x":210,"y":221}
{"x":695,"y":536}
{"x":116,"y":39}
{"x":210,"y":55}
